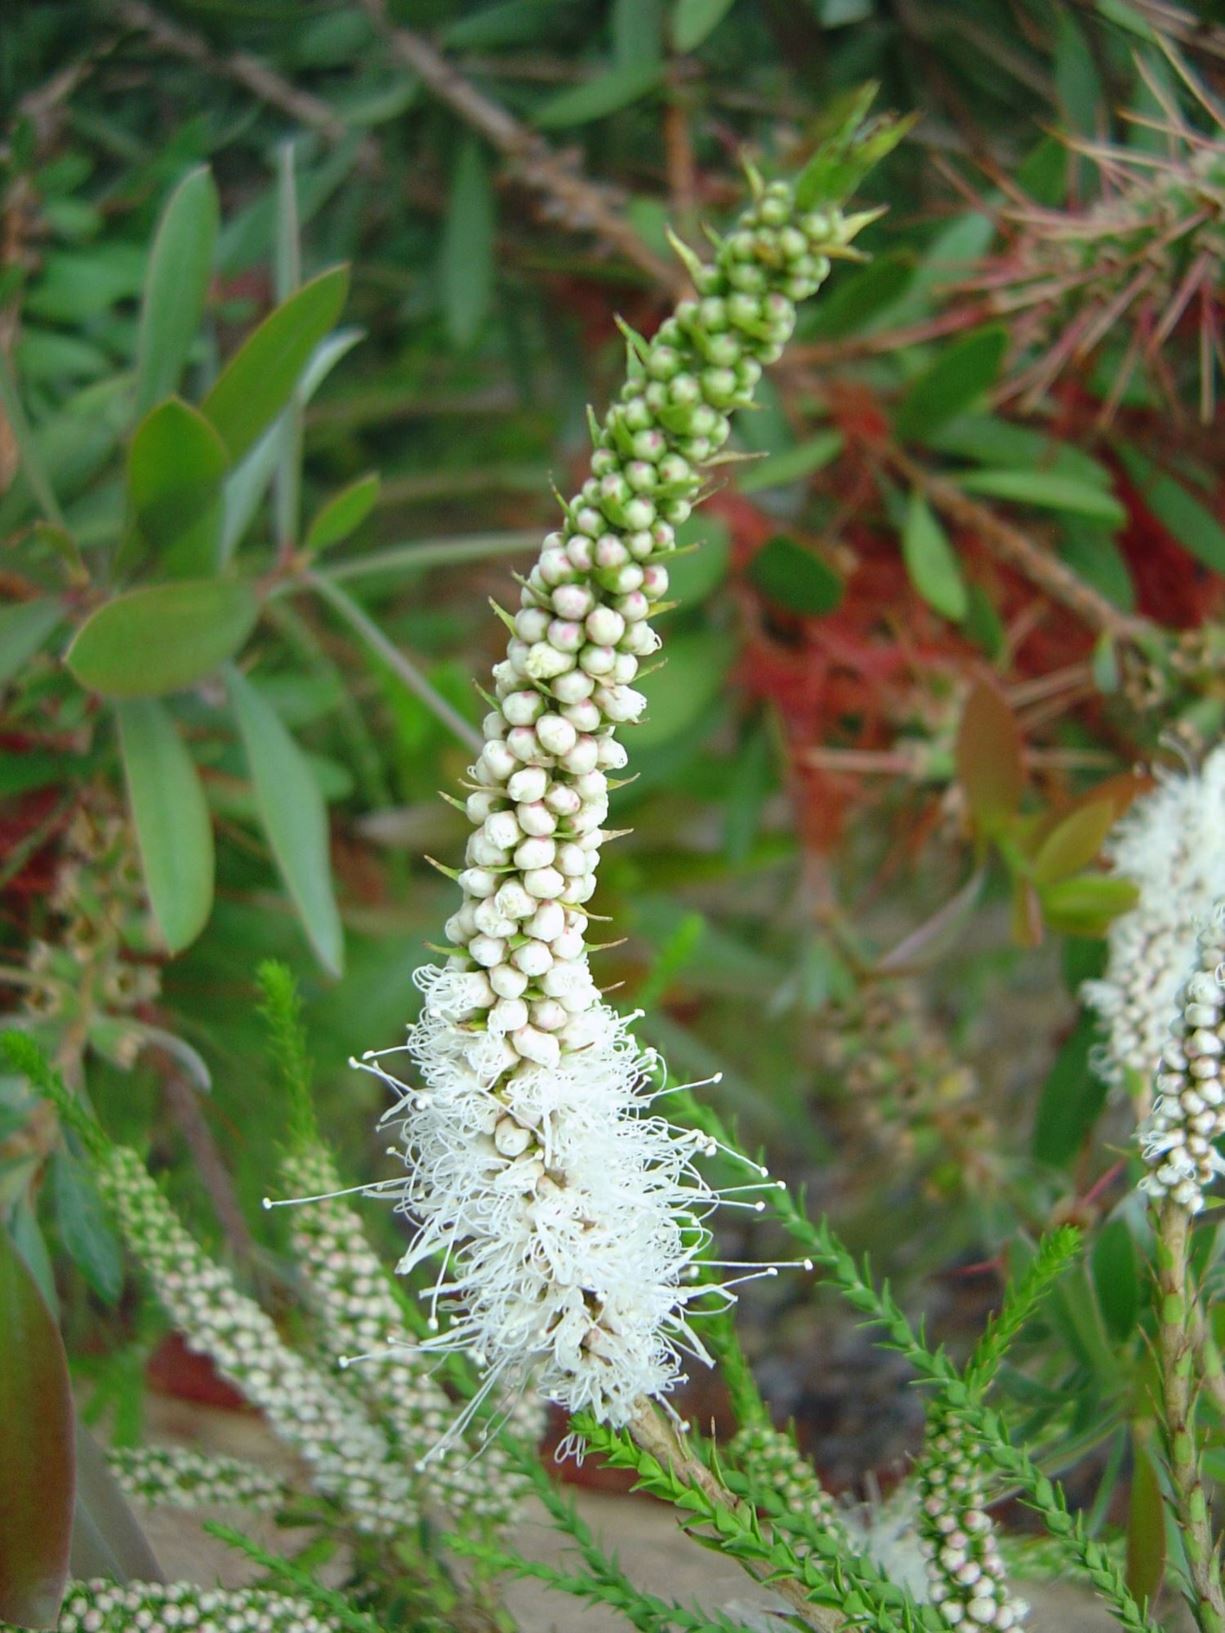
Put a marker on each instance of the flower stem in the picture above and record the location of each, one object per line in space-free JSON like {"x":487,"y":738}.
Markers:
{"x":1176,"y":1347}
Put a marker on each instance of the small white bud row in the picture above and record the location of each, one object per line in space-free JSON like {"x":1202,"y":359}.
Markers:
{"x":772,"y":1461}
{"x":966,"y":1577}
{"x":346,"y":1454}
{"x":159,"y":1607}
{"x":179,"y":1477}
{"x":357,"y":1315}
{"x":1188,"y":1114}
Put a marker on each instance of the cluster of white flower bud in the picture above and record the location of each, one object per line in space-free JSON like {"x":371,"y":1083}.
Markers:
{"x":1171,"y":845}
{"x":178,"y":1477}
{"x":347,"y":1456}
{"x":564,"y":1211}
{"x":1188,"y":1114}
{"x":359,"y":1319}
{"x":171,"y":1607}
{"x":773,"y":1461}
{"x":966,"y":1576}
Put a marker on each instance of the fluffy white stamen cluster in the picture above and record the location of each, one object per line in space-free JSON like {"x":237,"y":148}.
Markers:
{"x":347,"y":1456}
{"x":177,"y":1477}
{"x":357,"y":1315}
{"x":1188,"y":1114}
{"x":160,"y":1607}
{"x":966,"y":1576}
{"x":565,"y":1211}
{"x":1171,"y":844}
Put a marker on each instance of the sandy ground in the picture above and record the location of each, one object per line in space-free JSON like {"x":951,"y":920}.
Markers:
{"x":643,"y":1534}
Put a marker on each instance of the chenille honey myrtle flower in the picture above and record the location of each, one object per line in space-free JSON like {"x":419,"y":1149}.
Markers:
{"x":566,"y":1210}
{"x":1171,"y":845}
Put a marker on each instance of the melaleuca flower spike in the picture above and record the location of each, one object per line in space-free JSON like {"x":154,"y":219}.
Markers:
{"x":1178,"y":1139}
{"x":565,"y":1213}
{"x":1171,"y":845}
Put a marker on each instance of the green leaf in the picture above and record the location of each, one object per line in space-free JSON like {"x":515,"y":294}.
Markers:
{"x":959,"y":376}
{"x":163,"y":637}
{"x":1072,"y":1097}
{"x":679,"y":693}
{"x":175,"y":469}
{"x":1146,"y":1538}
{"x":84,"y":1228}
{"x":176,"y":286}
{"x":861,"y":297}
{"x":988,"y":440}
{"x":1085,"y":904}
{"x":598,"y":97}
{"x":793,"y":464}
{"x":1192,"y":524}
{"x":990,"y":762}
{"x":293,"y":815}
{"x":1116,"y":1277}
{"x":257,"y":382}
{"x":637,"y":32}
{"x":795,"y":578}
{"x":173,"y":828}
{"x":24,"y":628}
{"x":342,"y":514}
{"x":507,"y":22}
{"x":695,"y":574}
{"x":1092,"y":554}
{"x":466,"y":274}
{"x":36,"y":1450}
{"x":930,"y":561}
{"x":1047,"y":491}
{"x":1073,"y":843}
{"x":106,"y":1539}
{"x":693,"y":20}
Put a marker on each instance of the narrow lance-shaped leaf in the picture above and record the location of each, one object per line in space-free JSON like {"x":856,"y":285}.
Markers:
{"x":989,"y":759}
{"x":293,"y":815}
{"x":957,"y":379}
{"x":256,"y":383}
{"x":597,"y":98}
{"x":163,"y":637}
{"x":695,"y":19}
{"x":176,"y":465}
{"x":795,"y":578}
{"x":467,"y":263}
{"x":343,"y":513}
{"x":931,"y":562}
{"x":24,"y":628}
{"x":180,"y":267}
{"x":36,"y":1450}
{"x":173,"y":829}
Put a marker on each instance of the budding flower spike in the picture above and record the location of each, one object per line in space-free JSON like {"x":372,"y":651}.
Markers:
{"x":1171,"y":845}
{"x":566,"y":1211}
{"x":1188,"y":1116}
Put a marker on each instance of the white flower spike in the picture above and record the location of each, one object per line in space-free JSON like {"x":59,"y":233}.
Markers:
{"x":1171,"y":844}
{"x":567,"y":1214}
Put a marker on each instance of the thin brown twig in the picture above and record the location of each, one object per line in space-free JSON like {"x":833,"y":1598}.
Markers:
{"x":243,"y":69}
{"x":1017,"y":550}
{"x":579,"y":202}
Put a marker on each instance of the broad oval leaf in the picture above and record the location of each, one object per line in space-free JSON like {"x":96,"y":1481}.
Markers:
{"x":258,"y":380}
{"x":36,"y":1450}
{"x":1192,"y":524}
{"x":679,"y":693}
{"x":597,"y":98}
{"x":24,"y":628}
{"x":931,"y":562}
{"x":175,"y":469}
{"x":293,"y":815}
{"x":176,"y":286}
{"x":695,"y":19}
{"x":173,"y":829}
{"x":1047,"y":491}
{"x":990,"y":763}
{"x":163,"y":637}
{"x":957,"y":378}
{"x":342,"y":514}
{"x":795,"y":578}
{"x":467,"y":261}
